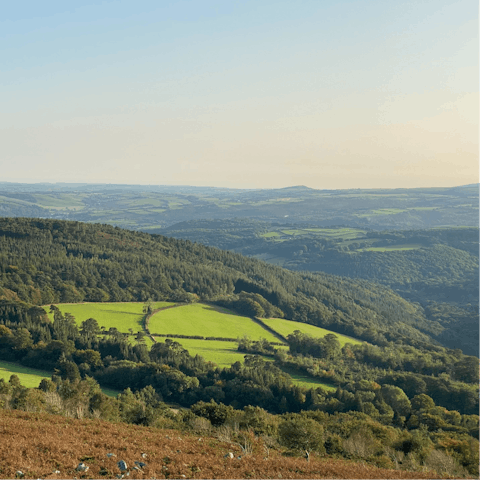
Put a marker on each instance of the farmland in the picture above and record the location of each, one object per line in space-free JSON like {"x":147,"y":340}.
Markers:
{"x":122,"y":316}
{"x":207,"y":321}
{"x":286,"y":327}
{"x":196,"y":320}
{"x":31,"y":377}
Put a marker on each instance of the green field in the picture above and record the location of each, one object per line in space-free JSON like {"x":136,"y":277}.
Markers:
{"x":393,"y":248}
{"x":332,"y":233}
{"x":225,"y":354}
{"x":122,"y":316}
{"x":270,"y":234}
{"x":206,"y":321}
{"x":308,"y":382}
{"x":29,"y":377}
{"x":285,"y":327}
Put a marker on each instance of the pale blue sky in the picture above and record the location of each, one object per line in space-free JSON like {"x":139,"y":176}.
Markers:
{"x":329,"y":94}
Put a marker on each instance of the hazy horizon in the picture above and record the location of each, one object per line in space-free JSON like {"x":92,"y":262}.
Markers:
{"x":331,"y":95}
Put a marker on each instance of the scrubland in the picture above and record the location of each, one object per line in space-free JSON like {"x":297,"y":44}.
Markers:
{"x":39,"y":444}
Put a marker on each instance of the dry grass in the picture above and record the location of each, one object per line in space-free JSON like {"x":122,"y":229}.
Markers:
{"x":38,"y":444}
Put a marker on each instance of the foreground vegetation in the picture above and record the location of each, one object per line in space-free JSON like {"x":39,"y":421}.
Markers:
{"x":198,"y":442}
{"x":194,"y":452}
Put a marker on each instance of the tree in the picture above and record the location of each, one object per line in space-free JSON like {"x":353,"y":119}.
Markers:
{"x":397,"y":399}
{"x":89,"y":328}
{"x":302,"y":433}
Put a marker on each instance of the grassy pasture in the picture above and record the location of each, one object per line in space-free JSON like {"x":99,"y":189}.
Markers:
{"x":122,"y":316}
{"x":285,"y":327}
{"x":207,"y":321}
{"x":29,"y":377}
{"x":308,"y":382}
{"x":223,"y":354}
{"x":393,"y":248}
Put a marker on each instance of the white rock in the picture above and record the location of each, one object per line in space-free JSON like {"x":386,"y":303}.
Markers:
{"x":144,"y":455}
{"x":19,"y":473}
{"x":110,"y":455}
{"x":82,"y":467}
{"x":228,"y":455}
{"x":57,"y":471}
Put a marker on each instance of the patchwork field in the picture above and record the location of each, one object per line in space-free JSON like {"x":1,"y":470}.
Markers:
{"x":206,"y":321}
{"x":192,"y":319}
{"x":286,"y":327}
{"x":122,"y":316}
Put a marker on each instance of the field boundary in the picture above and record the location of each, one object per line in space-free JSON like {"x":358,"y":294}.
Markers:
{"x":270,"y":330}
{"x":146,"y":319}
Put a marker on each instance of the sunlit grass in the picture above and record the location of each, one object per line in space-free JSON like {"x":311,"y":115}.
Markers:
{"x":207,"y":321}
{"x":286,"y":327}
{"x":122,"y":316}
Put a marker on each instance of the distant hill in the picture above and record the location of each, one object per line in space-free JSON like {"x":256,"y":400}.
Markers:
{"x":151,"y":207}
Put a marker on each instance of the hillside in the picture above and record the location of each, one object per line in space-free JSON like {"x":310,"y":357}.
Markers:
{"x":438,"y":268}
{"x":40,"y":445}
{"x":397,"y":399}
{"x":149,"y":207}
{"x":49,"y":261}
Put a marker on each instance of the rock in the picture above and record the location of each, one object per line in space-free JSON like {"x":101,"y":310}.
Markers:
{"x":82,"y":467}
{"x":110,"y":455}
{"x":57,"y":471}
{"x":141,"y":464}
{"x":19,"y":474}
{"x":122,"y":465}
{"x":183,"y":476}
{"x":228,"y":455}
{"x":179,"y":451}
{"x":143,"y":455}
{"x":239,"y":457}
{"x":120,"y":475}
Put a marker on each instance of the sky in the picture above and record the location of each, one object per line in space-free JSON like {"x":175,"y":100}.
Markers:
{"x":240,"y":94}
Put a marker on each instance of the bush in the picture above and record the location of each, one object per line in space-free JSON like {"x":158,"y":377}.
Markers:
{"x":302,"y":434}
